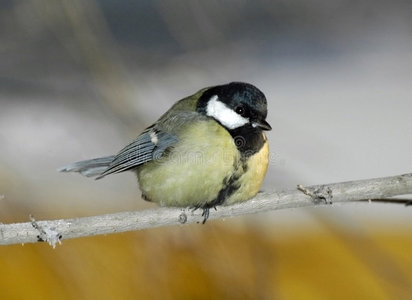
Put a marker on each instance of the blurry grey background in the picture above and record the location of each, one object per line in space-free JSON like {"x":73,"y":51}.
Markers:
{"x":80,"y":79}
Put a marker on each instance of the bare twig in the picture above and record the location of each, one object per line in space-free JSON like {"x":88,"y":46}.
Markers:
{"x":379,"y":189}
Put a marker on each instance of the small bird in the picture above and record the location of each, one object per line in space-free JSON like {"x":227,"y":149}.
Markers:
{"x":208,"y":149}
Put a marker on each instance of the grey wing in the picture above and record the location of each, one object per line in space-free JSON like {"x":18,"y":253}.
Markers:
{"x":150,"y":145}
{"x":90,"y":167}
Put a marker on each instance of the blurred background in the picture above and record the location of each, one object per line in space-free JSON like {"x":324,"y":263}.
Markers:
{"x":81,"y":78}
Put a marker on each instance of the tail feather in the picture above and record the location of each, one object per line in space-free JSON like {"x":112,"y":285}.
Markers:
{"x":89,"y":168}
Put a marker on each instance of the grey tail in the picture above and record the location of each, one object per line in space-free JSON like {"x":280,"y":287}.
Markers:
{"x":89,"y":168}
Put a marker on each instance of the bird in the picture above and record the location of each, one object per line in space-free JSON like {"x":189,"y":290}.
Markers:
{"x":208,"y":149}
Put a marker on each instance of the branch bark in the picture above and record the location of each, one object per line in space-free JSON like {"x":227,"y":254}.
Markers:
{"x":56,"y":230}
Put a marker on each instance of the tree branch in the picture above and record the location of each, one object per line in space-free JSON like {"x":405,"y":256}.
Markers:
{"x":54,"y":231}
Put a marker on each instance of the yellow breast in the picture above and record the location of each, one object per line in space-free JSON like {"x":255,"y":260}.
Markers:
{"x":194,"y":171}
{"x":252,"y":178}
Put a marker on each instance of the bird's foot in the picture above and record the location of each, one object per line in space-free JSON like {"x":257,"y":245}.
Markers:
{"x":206,"y":211}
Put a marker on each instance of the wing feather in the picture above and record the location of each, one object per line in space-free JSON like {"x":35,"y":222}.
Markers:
{"x":150,"y":145}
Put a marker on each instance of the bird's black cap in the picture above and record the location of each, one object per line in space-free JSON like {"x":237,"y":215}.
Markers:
{"x":239,"y":94}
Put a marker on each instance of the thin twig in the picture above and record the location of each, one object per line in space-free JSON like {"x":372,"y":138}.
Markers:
{"x":54,"y":231}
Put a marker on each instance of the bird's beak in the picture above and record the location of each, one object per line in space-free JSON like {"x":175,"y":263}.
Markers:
{"x":262,"y":125}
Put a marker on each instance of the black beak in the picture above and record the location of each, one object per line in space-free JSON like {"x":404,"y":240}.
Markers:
{"x":262,"y":125}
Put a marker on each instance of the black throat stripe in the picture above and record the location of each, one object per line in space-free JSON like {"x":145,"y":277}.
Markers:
{"x":248,"y":140}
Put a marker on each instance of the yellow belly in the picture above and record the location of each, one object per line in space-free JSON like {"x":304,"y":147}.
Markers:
{"x":193,"y":172}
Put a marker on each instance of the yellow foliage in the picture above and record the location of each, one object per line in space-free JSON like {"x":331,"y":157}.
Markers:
{"x":215,"y":261}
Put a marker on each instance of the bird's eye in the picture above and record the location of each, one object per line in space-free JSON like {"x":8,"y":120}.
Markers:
{"x":240,"y":110}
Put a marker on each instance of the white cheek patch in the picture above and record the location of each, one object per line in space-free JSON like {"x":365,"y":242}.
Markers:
{"x":226,"y":116}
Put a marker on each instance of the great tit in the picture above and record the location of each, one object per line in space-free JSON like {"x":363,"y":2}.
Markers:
{"x":208,"y":149}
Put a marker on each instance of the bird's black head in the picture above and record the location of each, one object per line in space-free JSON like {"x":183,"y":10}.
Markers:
{"x":242,"y":109}
{"x":235,"y":105}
